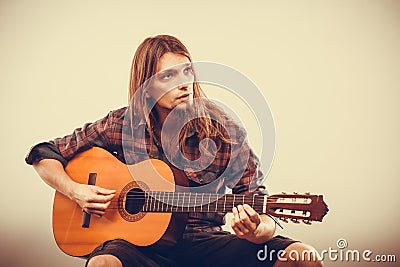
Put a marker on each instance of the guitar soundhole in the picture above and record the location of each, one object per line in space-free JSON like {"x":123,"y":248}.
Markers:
{"x":131,"y":201}
{"x":134,"y":201}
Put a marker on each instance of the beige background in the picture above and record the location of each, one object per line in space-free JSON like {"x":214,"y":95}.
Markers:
{"x":329,"y":70}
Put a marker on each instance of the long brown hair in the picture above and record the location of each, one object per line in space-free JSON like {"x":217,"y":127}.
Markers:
{"x":144,"y":66}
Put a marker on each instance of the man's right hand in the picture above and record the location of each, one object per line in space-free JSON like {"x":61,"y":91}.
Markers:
{"x":92,"y":199}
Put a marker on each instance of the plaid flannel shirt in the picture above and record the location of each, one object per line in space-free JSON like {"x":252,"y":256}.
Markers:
{"x":110,"y":133}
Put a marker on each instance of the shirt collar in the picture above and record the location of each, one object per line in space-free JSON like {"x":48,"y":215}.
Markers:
{"x":141,"y":122}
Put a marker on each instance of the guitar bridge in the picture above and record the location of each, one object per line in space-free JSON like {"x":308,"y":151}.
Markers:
{"x":86,"y":216}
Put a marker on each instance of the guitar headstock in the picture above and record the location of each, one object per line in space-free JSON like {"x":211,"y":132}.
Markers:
{"x":295,"y":207}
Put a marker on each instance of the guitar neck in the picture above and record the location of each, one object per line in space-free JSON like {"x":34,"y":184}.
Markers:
{"x":199,"y":202}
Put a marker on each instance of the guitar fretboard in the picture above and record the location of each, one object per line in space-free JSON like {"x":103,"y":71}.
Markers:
{"x":199,"y":202}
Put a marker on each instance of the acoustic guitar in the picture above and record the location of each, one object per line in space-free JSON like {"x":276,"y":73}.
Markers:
{"x":149,"y":208}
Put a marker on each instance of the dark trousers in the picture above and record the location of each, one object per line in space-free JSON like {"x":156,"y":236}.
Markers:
{"x":218,"y":248}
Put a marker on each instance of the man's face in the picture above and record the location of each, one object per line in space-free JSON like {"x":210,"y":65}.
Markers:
{"x":173,"y":82}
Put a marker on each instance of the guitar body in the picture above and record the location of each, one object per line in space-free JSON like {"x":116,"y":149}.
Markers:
{"x":140,"y":228}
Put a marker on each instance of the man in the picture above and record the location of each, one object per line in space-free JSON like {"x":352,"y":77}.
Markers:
{"x":163,"y":83}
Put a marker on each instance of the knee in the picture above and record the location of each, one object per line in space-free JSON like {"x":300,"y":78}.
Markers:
{"x":104,"y":261}
{"x":300,"y":255}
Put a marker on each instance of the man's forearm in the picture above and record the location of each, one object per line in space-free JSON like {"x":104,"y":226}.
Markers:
{"x":52,"y":173}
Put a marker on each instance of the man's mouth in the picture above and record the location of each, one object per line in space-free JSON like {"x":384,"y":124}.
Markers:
{"x":184,"y":96}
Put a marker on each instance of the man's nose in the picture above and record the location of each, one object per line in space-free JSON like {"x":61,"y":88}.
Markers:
{"x":184,"y":79}
{"x":183,"y":87}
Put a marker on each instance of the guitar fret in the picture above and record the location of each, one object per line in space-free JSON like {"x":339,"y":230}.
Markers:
{"x":229,"y":204}
{"x":177,"y":199}
{"x":155,"y":201}
{"x":145,"y":202}
{"x":150,"y":202}
{"x":183,"y":200}
{"x":162,"y":201}
{"x":164,"y":205}
{"x":224,"y":203}
{"x":188,"y":208}
{"x":194,"y":207}
{"x":159,"y":202}
{"x":168,"y":205}
{"x":202,"y":201}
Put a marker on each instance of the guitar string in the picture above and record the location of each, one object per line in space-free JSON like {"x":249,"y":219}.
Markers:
{"x":190,"y":204}
{"x":191,"y":194}
{"x":220,"y":206}
{"x":161,"y":194}
{"x":190,"y":200}
{"x":185,"y":208}
{"x":218,"y":199}
{"x":202,"y":195}
{"x":172,"y":208}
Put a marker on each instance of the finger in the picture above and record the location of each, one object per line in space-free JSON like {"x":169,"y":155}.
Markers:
{"x":246,"y":223}
{"x":101,"y":198}
{"x":236,"y":224}
{"x":108,"y":198}
{"x":236,"y":218}
{"x":97,"y":206}
{"x":242,"y":220}
{"x":104,"y":191}
{"x":253,"y":215}
{"x":95,"y":212}
{"x":237,"y":229}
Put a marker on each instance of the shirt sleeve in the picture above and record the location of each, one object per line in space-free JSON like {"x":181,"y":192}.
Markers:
{"x":45,"y":150}
{"x":104,"y":133}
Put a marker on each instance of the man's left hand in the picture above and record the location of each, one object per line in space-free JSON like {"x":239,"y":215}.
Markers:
{"x":248,"y":224}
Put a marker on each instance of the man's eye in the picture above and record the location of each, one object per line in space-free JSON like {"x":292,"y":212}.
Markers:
{"x":166,"y":76}
{"x":188,"y":69}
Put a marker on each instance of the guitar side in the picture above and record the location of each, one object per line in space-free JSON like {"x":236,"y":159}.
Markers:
{"x":76,"y":240}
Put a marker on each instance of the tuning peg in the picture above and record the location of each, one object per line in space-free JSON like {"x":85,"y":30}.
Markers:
{"x":296,"y":193}
{"x":294,"y":220}
{"x":284,"y":193}
{"x":306,"y":221}
{"x":307,"y":193}
{"x":283,"y":219}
